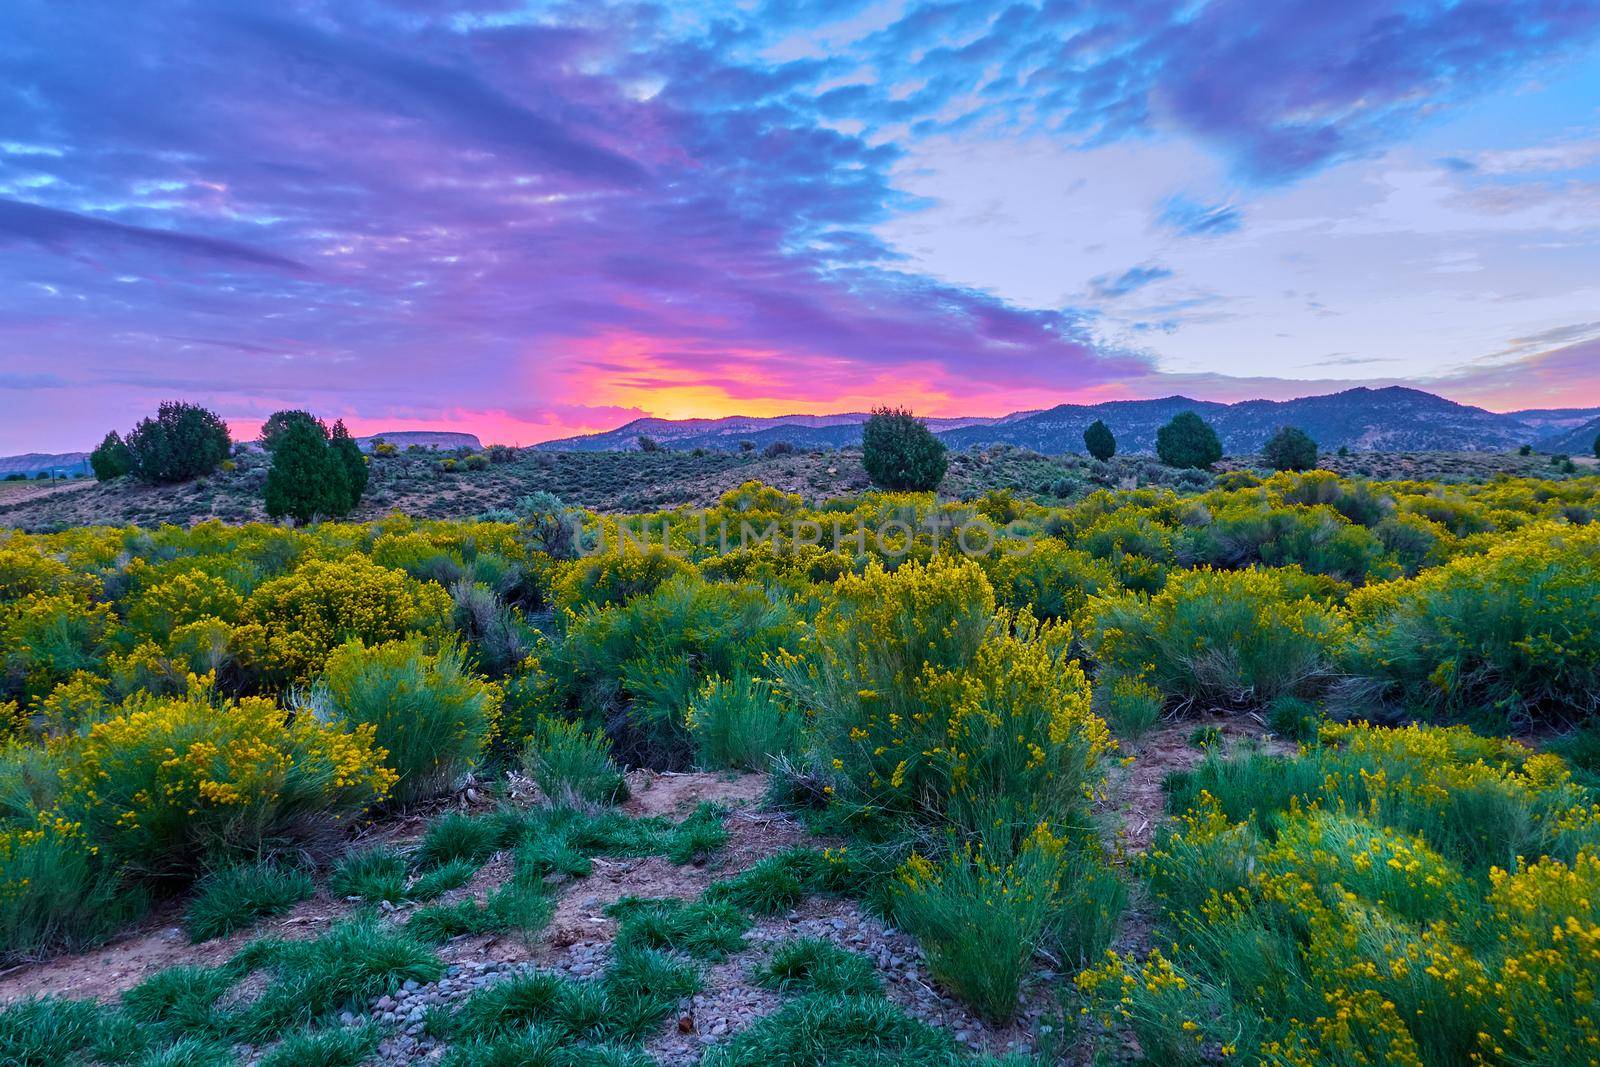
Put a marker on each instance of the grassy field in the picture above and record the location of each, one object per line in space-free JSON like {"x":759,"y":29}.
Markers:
{"x":417,"y":484}
{"x":1160,"y":767}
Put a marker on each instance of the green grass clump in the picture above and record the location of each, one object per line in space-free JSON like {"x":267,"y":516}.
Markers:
{"x":191,"y":1052}
{"x":697,"y":837}
{"x":441,"y":879}
{"x":523,"y":908}
{"x":614,"y":1009}
{"x":783,"y":880}
{"x":983,"y":913}
{"x":822,"y":1031}
{"x":561,"y":840}
{"x":232,"y":898}
{"x":345,"y":1047}
{"x":353,"y":963}
{"x":47,"y":1031}
{"x":540,"y":1046}
{"x":1581,"y":749}
{"x":650,"y":973}
{"x":770,"y":886}
{"x":812,"y":965}
{"x":1130,"y":707}
{"x":1247,"y":784}
{"x":550,"y":854}
{"x":458,"y":836}
{"x":704,"y":929}
{"x":572,"y":765}
{"x":739,"y":723}
{"x":1293,"y":718}
{"x":374,"y":874}
{"x":183,"y":1000}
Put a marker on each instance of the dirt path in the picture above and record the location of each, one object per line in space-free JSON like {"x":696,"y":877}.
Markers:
{"x":1138,"y":798}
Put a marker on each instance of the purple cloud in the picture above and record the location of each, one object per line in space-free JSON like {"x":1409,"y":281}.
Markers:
{"x":1282,"y":87}
{"x":430,"y":211}
{"x":64,"y":230}
{"x":479,"y":210}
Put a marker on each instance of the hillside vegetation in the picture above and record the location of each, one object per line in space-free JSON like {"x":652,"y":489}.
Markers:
{"x":1363,"y":420}
{"x":392,"y":777}
{"x":417,"y":482}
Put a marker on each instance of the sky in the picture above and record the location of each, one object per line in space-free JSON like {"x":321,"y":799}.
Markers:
{"x":529,"y":220}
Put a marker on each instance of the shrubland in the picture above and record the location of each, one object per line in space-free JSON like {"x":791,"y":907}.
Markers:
{"x":223,"y":705}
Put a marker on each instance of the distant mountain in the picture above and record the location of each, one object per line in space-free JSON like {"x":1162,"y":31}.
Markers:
{"x":803,"y":431}
{"x":62,"y":465}
{"x":1394,"y":419}
{"x":1553,"y":420}
{"x":443,"y":440}
{"x":1578,"y":440}
{"x":68,"y":464}
{"x":1366,"y":420}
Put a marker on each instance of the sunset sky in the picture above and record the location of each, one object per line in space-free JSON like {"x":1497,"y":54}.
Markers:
{"x":532,"y":220}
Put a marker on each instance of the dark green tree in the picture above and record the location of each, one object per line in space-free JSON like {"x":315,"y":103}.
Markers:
{"x":1188,"y":441}
{"x":899,"y":452}
{"x":279,"y":421}
{"x":348,"y":455}
{"x":183,"y":441}
{"x":1597,"y":447}
{"x":1290,"y":449}
{"x":306,"y":480}
{"x":111,"y":459}
{"x":1100,"y":442}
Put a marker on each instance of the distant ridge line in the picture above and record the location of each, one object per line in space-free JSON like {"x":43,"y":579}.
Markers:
{"x":1391,"y":418}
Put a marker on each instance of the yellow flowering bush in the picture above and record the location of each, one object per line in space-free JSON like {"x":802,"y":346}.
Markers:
{"x":431,"y":717}
{"x":26,"y":571}
{"x":1051,"y":580}
{"x":46,"y":638}
{"x":292,"y":623}
{"x":72,"y":705}
{"x":927,"y":701}
{"x":614,"y":576}
{"x":1514,"y":630}
{"x":1486,"y":800}
{"x":1228,"y":638}
{"x":168,"y":780}
{"x":1171,"y":1012}
{"x":181,"y":599}
{"x":981,"y":913}
{"x":55,"y":888}
{"x":1350,"y":919}
{"x":1548,"y":980}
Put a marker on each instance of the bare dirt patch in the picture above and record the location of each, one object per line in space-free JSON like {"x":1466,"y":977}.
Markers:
{"x":157,"y":944}
{"x":1138,"y":801}
{"x":674,"y":794}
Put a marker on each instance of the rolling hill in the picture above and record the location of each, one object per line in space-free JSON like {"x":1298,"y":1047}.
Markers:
{"x":1577,"y":441}
{"x":1361,"y":419}
{"x":61,"y":465}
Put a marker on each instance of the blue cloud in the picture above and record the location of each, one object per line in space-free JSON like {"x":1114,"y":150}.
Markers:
{"x":1281,"y":87}
{"x":1191,"y":218}
{"x":1131,"y":280}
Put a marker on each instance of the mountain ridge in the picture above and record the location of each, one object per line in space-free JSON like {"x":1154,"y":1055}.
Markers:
{"x":1363,"y":418}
